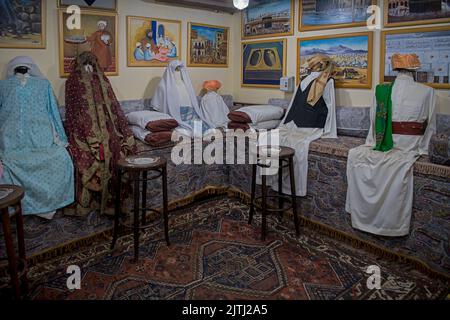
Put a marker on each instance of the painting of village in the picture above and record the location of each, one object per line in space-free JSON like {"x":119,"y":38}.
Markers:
{"x":431,"y":45}
{"x":413,"y":12}
{"x":324,"y":14}
{"x":208,"y":46}
{"x":351,"y":55}
{"x":22,"y":24}
{"x":268,"y":18}
{"x":152,"y":42}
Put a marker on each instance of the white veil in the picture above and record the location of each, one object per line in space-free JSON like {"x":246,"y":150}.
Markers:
{"x":23,"y":61}
{"x":166,"y":98}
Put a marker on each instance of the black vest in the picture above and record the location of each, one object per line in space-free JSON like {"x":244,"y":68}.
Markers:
{"x":305,"y":115}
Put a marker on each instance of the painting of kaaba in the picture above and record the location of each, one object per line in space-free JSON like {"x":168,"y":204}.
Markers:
{"x":414,"y":12}
{"x":431,"y":45}
{"x":268,"y":18}
{"x":263,"y":63}
{"x":330,"y":14}
{"x":22,"y":24}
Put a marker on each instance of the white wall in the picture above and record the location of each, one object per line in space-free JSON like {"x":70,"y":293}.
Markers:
{"x":344,"y":97}
{"x":132,"y":83}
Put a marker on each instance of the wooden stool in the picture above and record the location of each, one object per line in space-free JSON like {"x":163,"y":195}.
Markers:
{"x":136,"y":165}
{"x":13,"y":200}
{"x":286,"y":159}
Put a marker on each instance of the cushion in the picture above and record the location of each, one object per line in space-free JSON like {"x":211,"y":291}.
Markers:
{"x":162,"y":125}
{"x":155,"y":139}
{"x":239,"y":116}
{"x":261,"y":113}
{"x":142,"y":118}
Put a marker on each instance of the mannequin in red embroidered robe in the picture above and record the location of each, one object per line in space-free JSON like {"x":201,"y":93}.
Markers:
{"x":98,"y":134}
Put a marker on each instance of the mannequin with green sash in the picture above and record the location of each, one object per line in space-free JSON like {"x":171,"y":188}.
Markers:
{"x":380,"y":172}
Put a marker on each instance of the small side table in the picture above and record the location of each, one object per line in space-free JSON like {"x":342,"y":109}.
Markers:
{"x":18,"y":277}
{"x":286,"y":159}
{"x":137,"y":165}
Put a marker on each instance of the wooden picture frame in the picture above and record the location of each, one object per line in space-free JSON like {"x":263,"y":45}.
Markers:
{"x":302,"y":27}
{"x":73,"y":40}
{"x":270,"y":35}
{"x":282,"y":57}
{"x":412,"y":22}
{"x":84,"y":6}
{"x":151,"y":56}
{"x":427,"y":60}
{"x":189,"y":57}
{"x":40,"y":40}
{"x":341,"y":84}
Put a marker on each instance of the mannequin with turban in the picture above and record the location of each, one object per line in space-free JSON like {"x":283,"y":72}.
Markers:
{"x":212,"y":105}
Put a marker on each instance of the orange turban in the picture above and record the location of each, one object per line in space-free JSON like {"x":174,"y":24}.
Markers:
{"x":405,"y":61}
{"x":212,"y":85}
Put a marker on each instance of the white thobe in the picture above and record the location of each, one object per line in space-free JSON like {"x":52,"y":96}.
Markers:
{"x":380,"y":184}
{"x":215,"y":110}
{"x":300,"y":138}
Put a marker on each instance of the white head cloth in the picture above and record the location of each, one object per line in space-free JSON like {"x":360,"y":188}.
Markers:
{"x":23,"y":61}
{"x":166,"y":98}
{"x":102,"y":22}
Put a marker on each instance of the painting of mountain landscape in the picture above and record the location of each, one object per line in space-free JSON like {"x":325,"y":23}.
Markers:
{"x":351,"y":54}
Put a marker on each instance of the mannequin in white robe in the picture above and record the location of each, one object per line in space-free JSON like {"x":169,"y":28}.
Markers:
{"x":175,"y":96}
{"x":300,"y":138}
{"x":380,"y":184}
{"x":213,"y":107}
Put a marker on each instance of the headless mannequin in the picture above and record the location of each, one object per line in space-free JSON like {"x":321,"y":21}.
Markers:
{"x":22,"y":74}
{"x":185,"y":100}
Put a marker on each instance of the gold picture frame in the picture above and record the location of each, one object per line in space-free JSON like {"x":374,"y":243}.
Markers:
{"x":302,"y":27}
{"x":132,"y":61}
{"x":189,"y":46}
{"x":65,"y":60}
{"x":283,"y":57}
{"x":385,"y":33}
{"x":43,"y":39}
{"x":86,"y":7}
{"x":340,"y":84}
{"x":412,"y":22}
{"x":273,"y":35}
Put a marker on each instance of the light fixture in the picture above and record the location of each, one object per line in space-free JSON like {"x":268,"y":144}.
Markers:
{"x":240,"y":4}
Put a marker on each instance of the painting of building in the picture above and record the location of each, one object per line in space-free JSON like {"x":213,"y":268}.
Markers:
{"x":351,"y":55}
{"x":268,"y":18}
{"x":431,"y":45}
{"x":413,"y":12}
{"x":208,"y":45}
{"x":22,"y":24}
{"x":327,"y":14}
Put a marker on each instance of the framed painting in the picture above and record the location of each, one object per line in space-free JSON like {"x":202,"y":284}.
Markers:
{"x":330,"y":14}
{"x":98,"y":34}
{"x":351,"y":54}
{"x":432,"y":45}
{"x":415,"y":12}
{"x":208,"y":46}
{"x":268,"y":18}
{"x":263,"y":63}
{"x":152,"y":42}
{"x":22,"y":24}
{"x":90,"y":4}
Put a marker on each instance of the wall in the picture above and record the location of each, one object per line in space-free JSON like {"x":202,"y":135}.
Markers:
{"x":344,"y":97}
{"x":132,"y":83}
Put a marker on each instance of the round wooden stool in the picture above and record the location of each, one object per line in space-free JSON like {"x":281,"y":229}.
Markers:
{"x":286,"y":160}
{"x":17,"y":266}
{"x":137,"y":165}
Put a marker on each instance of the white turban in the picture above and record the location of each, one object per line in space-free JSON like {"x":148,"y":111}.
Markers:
{"x":23,"y":61}
{"x":102,"y":22}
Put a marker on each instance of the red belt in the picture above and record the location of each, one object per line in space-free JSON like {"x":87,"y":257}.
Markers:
{"x":409,"y":128}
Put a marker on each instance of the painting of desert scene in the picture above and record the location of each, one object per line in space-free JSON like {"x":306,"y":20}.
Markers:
{"x":208,"y":46}
{"x":351,"y":56}
{"x":407,"y":12}
{"x":268,"y":18}
{"x":22,"y":24}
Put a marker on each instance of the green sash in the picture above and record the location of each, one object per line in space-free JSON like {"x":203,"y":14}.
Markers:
{"x":383,"y":120}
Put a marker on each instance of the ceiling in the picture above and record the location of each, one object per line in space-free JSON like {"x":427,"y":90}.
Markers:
{"x":210,"y":5}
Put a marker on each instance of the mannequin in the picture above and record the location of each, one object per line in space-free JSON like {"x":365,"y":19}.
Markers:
{"x":33,"y":142}
{"x":380,"y":173}
{"x":213,"y":107}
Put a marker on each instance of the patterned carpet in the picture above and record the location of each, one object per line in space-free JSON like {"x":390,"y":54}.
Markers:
{"x":215,"y":254}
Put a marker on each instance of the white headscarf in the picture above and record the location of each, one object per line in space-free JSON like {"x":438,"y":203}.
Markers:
{"x":166,"y":98}
{"x":23,"y":61}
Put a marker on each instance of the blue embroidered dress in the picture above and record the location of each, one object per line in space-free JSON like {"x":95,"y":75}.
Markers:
{"x":32,"y":145}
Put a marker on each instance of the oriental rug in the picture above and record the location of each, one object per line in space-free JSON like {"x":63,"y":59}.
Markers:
{"x":215,"y":254}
